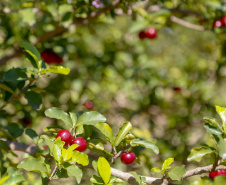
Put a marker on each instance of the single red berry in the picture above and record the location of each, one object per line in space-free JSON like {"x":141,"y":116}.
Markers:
{"x":142,"y":35}
{"x":128,"y":158}
{"x":89,"y":105}
{"x":45,"y":147}
{"x":212,"y":175}
{"x":51,"y":57}
{"x":217,"y":24}
{"x":65,"y":136}
{"x":223,"y":20}
{"x":151,"y":33}
{"x":26,"y":121}
{"x":81,"y":142}
{"x":177,"y":89}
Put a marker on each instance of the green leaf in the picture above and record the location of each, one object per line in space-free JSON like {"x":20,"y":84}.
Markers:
{"x":32,"y":134}
{"x":202,"y":182}
{"x":123,"y":130}
{"x":222,"y":148}
{"x":157,"y":170}
{"x":67,"y":153}
{"x":95,"y":165}
{"x":198,"y":153}
{"x":33,"y":164}
{"x":177,"y":172}
{"x":57,"y":147}
{"x":4,"y":147}
{"x":80,"y":158}
{"x":32,"y":54}
{"x":49,"y":142}
{"x":219,"y":180}
{"x":136,"y":176}
{"x":212,"y":121}
{"x":147,"y":144}
{"x":98,"y":148}
{"x":222,"y":113}
{"x":15,"y":75}
{"x":58,"y":113}
{"x":14,"y":179}
{"x":34,"y":99}
{"x":14,"y":130}
{"x":90,"y":118}
{"x":6,"y":88}
{"x":104,"y":169}
{"x":106,"y":130}
{"x":52,"y":129}
{"x":167,"y":163}
{"x":75,"y":171}
{"x":56,"y":69}
{"x":213,"y":129}
{"x":97,"y":180}
{"x":73,"y":118}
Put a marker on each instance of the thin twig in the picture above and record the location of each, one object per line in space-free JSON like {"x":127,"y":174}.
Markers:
{"x":52,"y":174}
{"x":116,"y":155}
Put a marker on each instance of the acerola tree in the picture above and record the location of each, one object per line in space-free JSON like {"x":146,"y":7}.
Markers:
{"x":85,"y":53}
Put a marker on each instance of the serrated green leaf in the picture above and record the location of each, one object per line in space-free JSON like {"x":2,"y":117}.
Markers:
{"x":147,"y":144}
{"x":56,"y":69}
{"x":222,"y":113}
{"x":75,"y":171}
{"x":177,"y":172}
{"x":197,"y":154}
{"x":33,"y":164}
{"x":80,"y":158}
{"x":222,"y":148}
{"x":32,"y":54}
{"x":58,"y":113}
{"x":104,"y":169}
{"x":34,"y":99}
{"x":106,"y":130}
{"x":123,"y":130}
{"x":90,"y":118}
{"x":167,"y":163}
{"x":73,"y":118}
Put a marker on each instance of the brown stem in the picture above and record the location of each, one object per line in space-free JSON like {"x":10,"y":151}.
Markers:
{"x":52,"y":174}
{"x":116,"y":155}
{"x":19,"y":94}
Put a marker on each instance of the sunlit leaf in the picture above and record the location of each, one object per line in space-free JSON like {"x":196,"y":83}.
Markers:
{"x":177,"y":172}
{"x":147,"y":144}
{"x":56,"y":69}
{"x":123,"y":130}
{"x":197,"y":154}
{"x":104,"y":169}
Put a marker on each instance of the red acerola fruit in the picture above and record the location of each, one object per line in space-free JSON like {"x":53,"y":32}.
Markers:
{"x":151,"y":33}
{"x":142,"y":35}
{"x":81,"y":142}
{"x":89,"y":105}
{"x":26,"y":121}
{"x":128,"y":158}
{"x":177,"y":89}
{"x":217,"y":24}
{"x":65,"y":136}
{"x":223,"y":20}
{"x":212,"y":175}
{"x":51,"y":57}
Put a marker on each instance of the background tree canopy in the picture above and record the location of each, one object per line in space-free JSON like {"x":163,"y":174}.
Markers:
{"x":163,"y":86}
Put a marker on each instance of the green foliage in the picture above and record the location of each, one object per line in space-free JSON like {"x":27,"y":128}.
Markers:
{"x":177,"y":172}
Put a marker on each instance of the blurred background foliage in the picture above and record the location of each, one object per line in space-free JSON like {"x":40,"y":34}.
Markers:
{"x":164,"y":86}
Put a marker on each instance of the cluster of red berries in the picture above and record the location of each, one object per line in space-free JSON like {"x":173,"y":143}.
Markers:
{"x":150,"y":33}
{"x":50,"y":57}
{"x":220,"y":22}
{"x":212,"y":175}
{"x":66,"y":136}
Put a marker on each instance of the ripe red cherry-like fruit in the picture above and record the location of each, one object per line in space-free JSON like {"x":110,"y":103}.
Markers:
{"x":151,"y":33}
{"x":223,"y":20}
{"x":142,"y":35}
{"x":51,"y":57}
{"x":217,"y":24}
{"x":212,"y":175}
{"x":65,"y":136}
{"x":81,"y":142}
{"x":128,"y":158}
{"x":89,"y":105}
